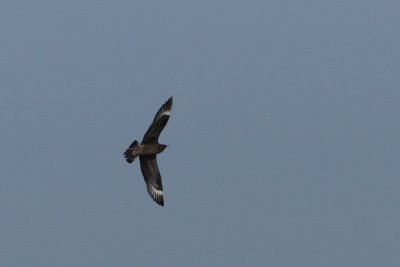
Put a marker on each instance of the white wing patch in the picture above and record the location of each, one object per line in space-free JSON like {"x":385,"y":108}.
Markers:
{"x":163,"y":112}
{"x":157,"y":195}
{"x":166,"y":112}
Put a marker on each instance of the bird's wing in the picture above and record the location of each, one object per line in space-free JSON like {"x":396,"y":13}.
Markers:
{"x":159,"y":122}
{"x":152,"y":177}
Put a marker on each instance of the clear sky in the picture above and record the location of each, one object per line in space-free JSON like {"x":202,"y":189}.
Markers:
{"x":284,"y":136}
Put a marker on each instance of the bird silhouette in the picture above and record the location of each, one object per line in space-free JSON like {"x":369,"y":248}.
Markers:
{"x":147,"y":151}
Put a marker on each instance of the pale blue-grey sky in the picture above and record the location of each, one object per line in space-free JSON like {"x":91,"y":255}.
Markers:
{"x":284,"y":137}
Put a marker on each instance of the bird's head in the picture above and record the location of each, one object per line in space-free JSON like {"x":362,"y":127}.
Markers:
{"x":163,"y":147}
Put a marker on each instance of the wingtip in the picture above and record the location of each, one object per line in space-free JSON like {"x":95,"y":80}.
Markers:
{"x":159,"y":201}
{"x":166,"y":107}
{"x":170,"y":100}
{"x":156,"y":195}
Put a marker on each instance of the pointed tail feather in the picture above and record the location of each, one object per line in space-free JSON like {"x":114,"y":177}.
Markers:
{"x":132,"y":152}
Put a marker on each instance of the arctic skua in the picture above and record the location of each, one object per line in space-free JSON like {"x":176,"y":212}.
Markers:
{"x":147,"y":151}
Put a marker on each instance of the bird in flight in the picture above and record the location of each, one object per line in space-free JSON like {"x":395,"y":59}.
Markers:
{"x":147,"y":151}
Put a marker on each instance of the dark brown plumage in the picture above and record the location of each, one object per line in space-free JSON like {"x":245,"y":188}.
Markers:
{"x":147,"y":150}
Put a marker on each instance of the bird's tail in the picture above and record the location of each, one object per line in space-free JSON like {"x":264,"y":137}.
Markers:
{"x":132,"y":152}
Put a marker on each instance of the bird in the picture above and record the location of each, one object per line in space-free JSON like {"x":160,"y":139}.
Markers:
{"x":147,"y":151}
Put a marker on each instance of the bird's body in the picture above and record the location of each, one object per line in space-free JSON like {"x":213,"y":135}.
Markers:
{"x":147,"y":151}
{"x":151,"y":149}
